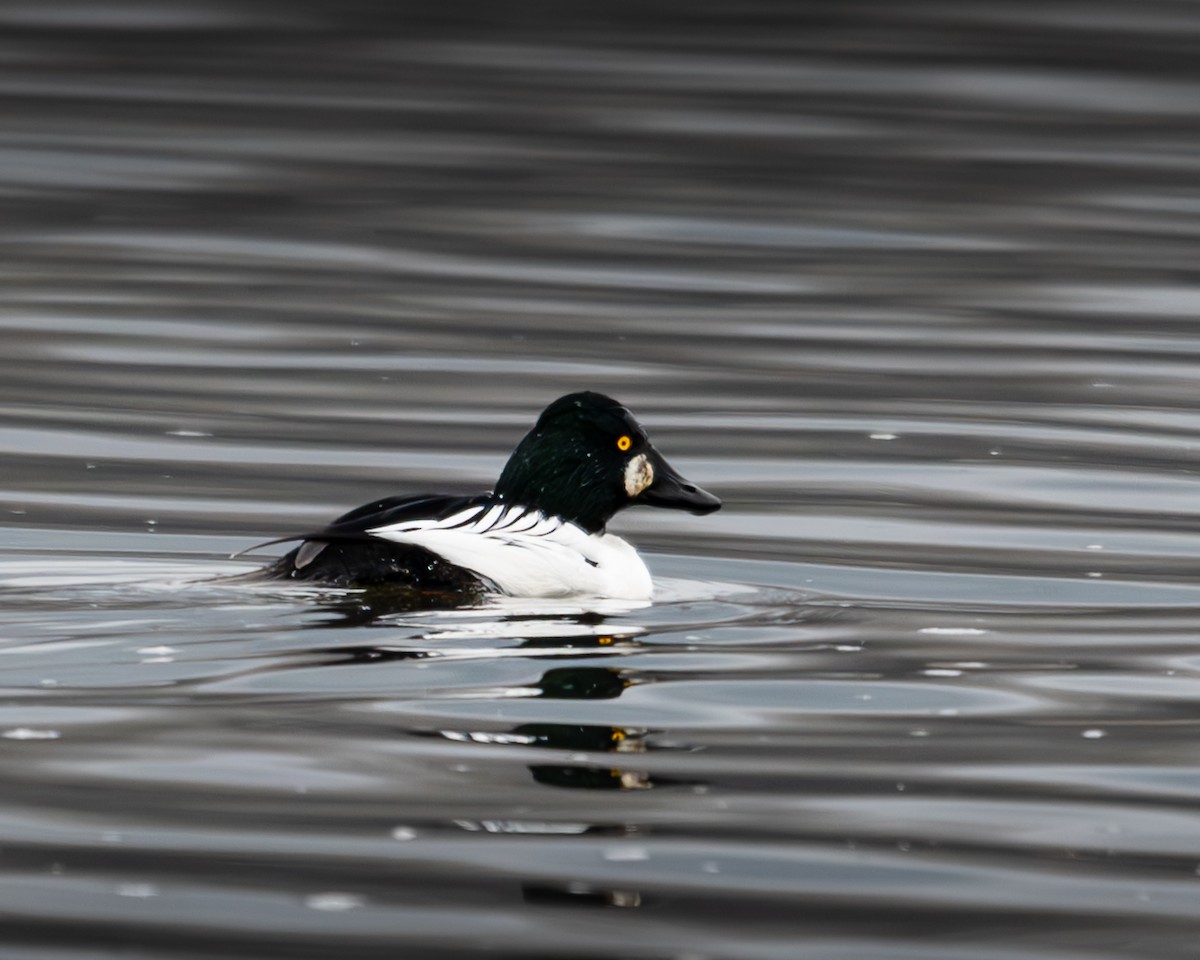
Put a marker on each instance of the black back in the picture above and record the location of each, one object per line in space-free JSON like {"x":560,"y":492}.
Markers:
{"x":345,"y":555}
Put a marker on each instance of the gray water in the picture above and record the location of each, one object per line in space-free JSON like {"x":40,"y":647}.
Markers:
{"x":912,"y":287}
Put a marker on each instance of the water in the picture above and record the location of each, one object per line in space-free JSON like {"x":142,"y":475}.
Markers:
{"x":914,"y":290}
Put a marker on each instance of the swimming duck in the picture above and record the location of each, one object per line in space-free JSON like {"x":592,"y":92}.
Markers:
{"x":540,"y":533}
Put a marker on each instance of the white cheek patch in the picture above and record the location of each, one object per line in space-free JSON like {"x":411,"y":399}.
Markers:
{"x":639,"y":474}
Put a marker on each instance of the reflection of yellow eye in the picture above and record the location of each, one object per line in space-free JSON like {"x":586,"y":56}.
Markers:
{"x":624,"y":443}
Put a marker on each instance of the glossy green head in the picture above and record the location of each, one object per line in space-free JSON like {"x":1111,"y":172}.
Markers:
{"x":587,"y":458}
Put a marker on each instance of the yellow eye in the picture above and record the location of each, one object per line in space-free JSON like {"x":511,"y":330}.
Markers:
{"x":624,"y":443}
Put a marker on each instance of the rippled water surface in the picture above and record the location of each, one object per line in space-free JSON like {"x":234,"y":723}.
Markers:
{"x":912,"y":287}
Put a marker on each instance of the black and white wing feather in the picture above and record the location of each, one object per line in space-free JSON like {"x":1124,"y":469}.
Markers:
{"x":519,"y":550}
{"x":524,"y":552}
{"x":358,"y":523}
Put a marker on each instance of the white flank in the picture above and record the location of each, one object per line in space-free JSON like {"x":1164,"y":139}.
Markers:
{"x":527,"y":554}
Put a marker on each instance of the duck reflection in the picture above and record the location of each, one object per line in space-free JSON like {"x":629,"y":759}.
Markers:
{"x":583,"y":683}
{"x":571,"y":682}
{"x":575,"y":683}
{"x":557,"y":683}
{"x":365,"y":607}
{"x":585,"y":738}
{"x":362,"y":608}
{"x":629,"y":742}
{"x":579,"y":894}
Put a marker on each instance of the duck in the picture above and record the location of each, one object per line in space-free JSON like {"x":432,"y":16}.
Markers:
{"x":541,"y":533}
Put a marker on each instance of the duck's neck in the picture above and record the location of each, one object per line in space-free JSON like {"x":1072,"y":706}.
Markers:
{"x":560,"y":483}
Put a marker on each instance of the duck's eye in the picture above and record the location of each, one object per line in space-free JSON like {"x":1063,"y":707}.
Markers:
{"x":624,"y":442}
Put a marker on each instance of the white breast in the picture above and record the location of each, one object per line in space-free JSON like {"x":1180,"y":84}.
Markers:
{"x":527,"y":554}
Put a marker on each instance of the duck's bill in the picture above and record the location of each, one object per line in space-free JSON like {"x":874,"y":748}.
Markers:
{"x":669,"y":489}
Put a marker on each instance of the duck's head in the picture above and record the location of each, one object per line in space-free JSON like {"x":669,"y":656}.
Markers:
{"x":587,"y":458}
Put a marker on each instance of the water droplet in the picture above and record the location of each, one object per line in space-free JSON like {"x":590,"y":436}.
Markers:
{"x":333,"y":902}
{"x":953,"y":631}
{"x":404,"y":833}
{"x":626,"y":852}
{"x":1093,"y":734}
{"x":139,"y":890}
{"x":30,"y":733}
